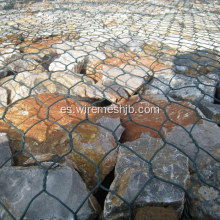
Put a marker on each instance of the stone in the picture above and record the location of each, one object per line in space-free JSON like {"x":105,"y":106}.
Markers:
{"x":64,"y":183}
{"x":128,"y":68}
{"x":205,"y":203}
{"x":123,"y":44}
{"x":71,"y":60}
{"x":160,"y":83}
{"x":26,"y":84}
{"x":183,"y":87}
{"x":200,"y":88}
{"x":75,"y":83}
{"x":133,"y":177}
{"x":205,"y":156}
{"x":129,"y":77}
{"x":210,"y":110}
{"x":189,"y":143}
{"x":7,"y":50}
{"x":78,"y":49}
{"x":93,"y":62}
{"x":3,"y":96}
{"x":41,"y":158}
{"x":184,"y":131}
{"x":158,"y":49}
{"x":82,"y":59}
{"x":65,"y":132}
{"x":147,"y":116}
{"x":197,"y":63}
{"x":109,"y":91}
{"x":40,"y":44}
{"x":174,"y":126}
{"x":5,"y":151}
{"x":19,"y":63}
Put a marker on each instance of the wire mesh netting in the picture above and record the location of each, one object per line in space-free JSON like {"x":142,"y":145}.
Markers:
{"x":109,"y":109}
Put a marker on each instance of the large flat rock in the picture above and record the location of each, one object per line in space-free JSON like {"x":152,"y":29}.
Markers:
{"x":63,"y":186}
{"x":148,"y":176}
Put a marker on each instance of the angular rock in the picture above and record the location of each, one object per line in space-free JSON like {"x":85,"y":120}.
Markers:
{"x":5,"y":151}
{"x":186,"y":131}
{"x":175,"y":126}
{"x":197,"y":63}
{"x":123,"y":43}
{"x":27,"y":83}
{"x":200,"y":88}
{"x":183,"y":87}
{"x":190,"y":141}
{"x":75,"y":83}
{"x":64,"y":183}
{"x":52,"y":134}
{"x":19,"y":63}
{"x":41,"y":158}
{"x":129,"y":70}
{"x":44,"y":44}
{"x":130,"y":78}
{"x":109,"y":91}
{"x":158,"y":49}
{"x":147,"y":115}
{"x":7,"y":50}
{"x":210,"y":110}
{"x":71,"y":60}
{"x":134,"y":180}
{"x":3,"y":96}
{"x":83,"y":59}
{"x":205,"y":202}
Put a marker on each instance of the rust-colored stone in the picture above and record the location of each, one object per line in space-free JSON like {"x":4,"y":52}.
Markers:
{"x":47,"y":126}
{"x":178,"y":114}
{"x":45,"y":43}
{"x":97,"y":69}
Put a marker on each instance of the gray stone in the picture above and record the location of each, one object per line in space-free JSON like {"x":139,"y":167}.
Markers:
{"x":74,"y":57}
{"x":210,"y":110}
{"x":5,"y":151}
{"x":123,"y":44}
{"x":184,"y":87}
{"x":204,"y":142}
{"x":204,"y":136}
{"x":129,"y":77}
{"x":19,"y":63}
{"x":205,"y":199}
{"x":7,"y":50}
{"x":68,"y":61}
{"x":3,"y":96}
{"x":132,"y":172}
{"x":109,"y":90}
{"x":19,"y":185}
{"x":197,"y":63}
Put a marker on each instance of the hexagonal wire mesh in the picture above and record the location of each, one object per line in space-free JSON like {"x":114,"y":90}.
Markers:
{"x":126,"y":93}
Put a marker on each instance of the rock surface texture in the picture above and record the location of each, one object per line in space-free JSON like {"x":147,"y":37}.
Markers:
{"x":177,"y":129}
{"x":63,"y":186}
{"x":83,"y":143}
{"x":140,"y":179}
